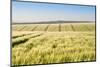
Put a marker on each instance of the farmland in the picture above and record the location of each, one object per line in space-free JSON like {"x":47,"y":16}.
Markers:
{"x":53,"y":43}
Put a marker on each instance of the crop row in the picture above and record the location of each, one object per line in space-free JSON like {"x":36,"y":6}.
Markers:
{"x":55,"y":27}
{"x":23,"y":38}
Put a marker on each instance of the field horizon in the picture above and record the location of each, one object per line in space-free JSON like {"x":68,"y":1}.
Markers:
{"x":52,"y":22}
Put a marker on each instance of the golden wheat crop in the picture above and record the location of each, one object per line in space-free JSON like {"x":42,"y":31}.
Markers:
{"x":53,"y":46}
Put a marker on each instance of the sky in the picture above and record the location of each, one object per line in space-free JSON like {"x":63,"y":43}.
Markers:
{"x":37,"y":12}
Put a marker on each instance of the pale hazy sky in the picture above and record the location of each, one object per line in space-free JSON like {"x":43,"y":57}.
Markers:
{"x":34,"y":12}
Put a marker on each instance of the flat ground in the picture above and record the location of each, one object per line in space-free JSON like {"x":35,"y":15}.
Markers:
{"x":52,"y":43}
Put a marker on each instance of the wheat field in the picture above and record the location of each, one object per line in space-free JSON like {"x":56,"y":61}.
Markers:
{"x":53,"y":43}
